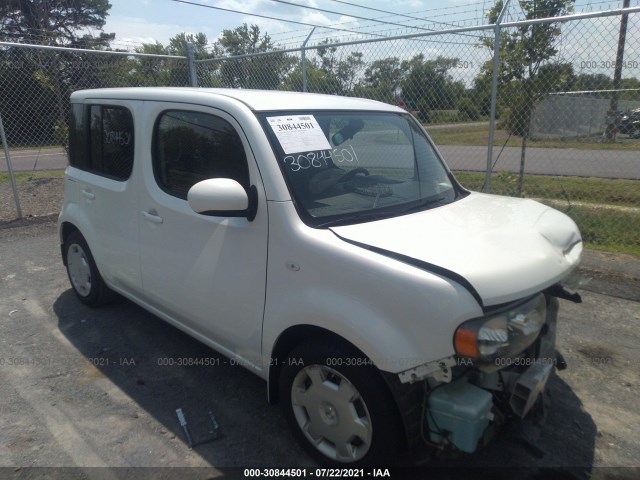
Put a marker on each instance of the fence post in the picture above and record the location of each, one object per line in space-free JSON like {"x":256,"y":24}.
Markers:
{"x":10,"y":169}
{"x":612,"y":128}
{"x":303,"y":66}
{"x":494,"y":97}
{"x":191,"y":59}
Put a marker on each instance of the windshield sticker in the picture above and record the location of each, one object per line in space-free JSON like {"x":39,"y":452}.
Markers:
{"x":298,"y":133}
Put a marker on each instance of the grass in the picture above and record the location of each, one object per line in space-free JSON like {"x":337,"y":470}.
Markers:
{"x":607,"y":211}
{"x":612,"y":231}
{"x":595,"y":190}
{"x":478,"y":135}
{"x":33,"y":175}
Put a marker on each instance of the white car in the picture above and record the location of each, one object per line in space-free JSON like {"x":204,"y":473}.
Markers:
{"x":321,"y":242}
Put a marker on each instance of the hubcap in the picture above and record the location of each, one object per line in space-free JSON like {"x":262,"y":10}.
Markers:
{"x":328,"y":413}
{"x":331,"y":413}
{"x":79,"y":270}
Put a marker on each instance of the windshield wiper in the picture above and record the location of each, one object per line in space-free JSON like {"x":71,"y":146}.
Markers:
{"x":422,"y":205}
{"x":367,"y":216}
{"x":357,"y":218}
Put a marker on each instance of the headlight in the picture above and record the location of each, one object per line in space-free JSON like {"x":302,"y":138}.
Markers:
{"x":503,"y":334}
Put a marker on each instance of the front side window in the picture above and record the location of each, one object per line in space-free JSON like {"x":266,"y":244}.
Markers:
{"x":193,"y":146}
{"x":348,"y":167}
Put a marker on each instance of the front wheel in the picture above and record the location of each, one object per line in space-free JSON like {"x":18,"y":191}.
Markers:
{"x":338,"y":406}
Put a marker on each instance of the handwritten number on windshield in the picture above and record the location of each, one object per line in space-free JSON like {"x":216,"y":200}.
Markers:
{"x":304,"y":161}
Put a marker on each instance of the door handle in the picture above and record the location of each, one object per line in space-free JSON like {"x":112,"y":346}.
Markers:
{"x":88,"y":194}
{"x":152,"y":216}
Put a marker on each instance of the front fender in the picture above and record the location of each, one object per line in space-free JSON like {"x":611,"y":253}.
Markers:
{"x":398,"y":315}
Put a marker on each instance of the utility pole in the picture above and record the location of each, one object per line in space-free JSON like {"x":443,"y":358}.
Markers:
{"x":191,"y":60}
{"x":303,"y":66}
{"x":612,"y":115}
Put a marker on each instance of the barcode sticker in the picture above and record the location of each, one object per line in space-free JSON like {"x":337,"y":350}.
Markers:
{"x":298,"y":133}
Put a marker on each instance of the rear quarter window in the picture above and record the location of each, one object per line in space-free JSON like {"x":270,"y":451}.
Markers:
{"x":111,"y":141}
{"x":101,"y":140}
{"x":77,"y":137}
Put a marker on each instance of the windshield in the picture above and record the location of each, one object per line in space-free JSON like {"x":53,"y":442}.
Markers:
{"x":347,"y":167}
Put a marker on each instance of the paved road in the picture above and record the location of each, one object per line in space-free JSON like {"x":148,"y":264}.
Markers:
{"x":544,"y":161}
{"x":548,"y":161}
{"x":35,"y":159}
{"x":85,"y":387}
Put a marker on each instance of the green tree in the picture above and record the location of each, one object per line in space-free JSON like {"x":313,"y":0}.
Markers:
{"x":428,"y":84}
{"x":630,"y":84}
{"x":264,"y":71}
{"x":341,"y":71}
{"x":178,"y":45}
{"x":382,"y":79}
{"x":46,"y":79}
{"x":523,"y":51}
{"x":148,"y":71}
{"x":317,"y":80}
{"x":56,"y":22}
{"x":482,"y":89}
{"x":593,"y":82}
{"x":178,"y":71}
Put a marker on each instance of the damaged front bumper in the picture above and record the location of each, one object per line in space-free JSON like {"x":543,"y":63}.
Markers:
{"x":480,"y":398}
{"x":465,"y":403}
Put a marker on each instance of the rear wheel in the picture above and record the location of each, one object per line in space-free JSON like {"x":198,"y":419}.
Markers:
{"x":86,"y":281}
{"x":338,"y":406}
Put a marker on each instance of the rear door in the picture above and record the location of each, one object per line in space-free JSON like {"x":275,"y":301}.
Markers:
{"x":207,"y":273}
{"x":104,"y":181}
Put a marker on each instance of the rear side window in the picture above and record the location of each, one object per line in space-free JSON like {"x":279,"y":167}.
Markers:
{"x":111,"y":141}
{"x":189,"y":147}
{"x":77,"y":137}
{"x":101,"y":140}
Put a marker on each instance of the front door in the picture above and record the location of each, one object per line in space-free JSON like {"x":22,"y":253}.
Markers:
{"x":207,"y":273}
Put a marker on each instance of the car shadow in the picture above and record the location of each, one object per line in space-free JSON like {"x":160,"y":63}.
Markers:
{"x":148,"y":360}
{"x":153,"y":364}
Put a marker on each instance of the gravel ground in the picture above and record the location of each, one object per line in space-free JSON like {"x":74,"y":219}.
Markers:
{"x":41,"y":197}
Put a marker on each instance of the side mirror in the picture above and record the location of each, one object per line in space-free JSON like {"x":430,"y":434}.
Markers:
{"x":223,"y":197}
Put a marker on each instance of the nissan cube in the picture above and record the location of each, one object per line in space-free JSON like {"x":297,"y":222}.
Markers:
{"x":323,"y":243}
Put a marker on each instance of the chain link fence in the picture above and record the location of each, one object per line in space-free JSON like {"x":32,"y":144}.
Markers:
{"x":35,"y":84}
{"x":536,"y":104}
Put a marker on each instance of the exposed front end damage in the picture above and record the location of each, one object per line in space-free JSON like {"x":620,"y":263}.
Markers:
{"x":466,"y":402}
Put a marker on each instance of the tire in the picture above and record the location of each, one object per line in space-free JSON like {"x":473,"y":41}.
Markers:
{"x":86,"y":281}
{"x":343,"y":415}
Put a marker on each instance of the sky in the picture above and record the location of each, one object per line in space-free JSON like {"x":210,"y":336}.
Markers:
{"x":137,"y":21}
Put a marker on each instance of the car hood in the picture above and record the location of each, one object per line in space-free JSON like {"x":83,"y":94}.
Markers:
{"x":503,"y":248}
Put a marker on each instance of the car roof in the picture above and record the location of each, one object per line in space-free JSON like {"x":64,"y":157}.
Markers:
{"x":258,"y":100}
